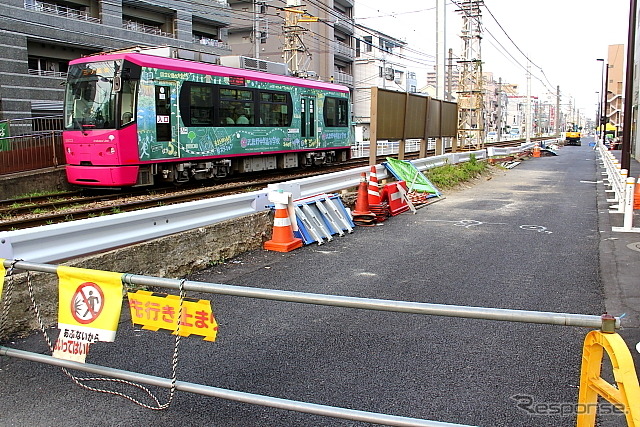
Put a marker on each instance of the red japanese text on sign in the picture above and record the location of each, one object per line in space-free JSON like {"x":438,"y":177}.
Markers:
{"x":155,"y":312}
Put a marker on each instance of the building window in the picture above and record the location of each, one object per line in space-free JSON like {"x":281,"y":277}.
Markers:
{"x":48,"y":66}
{"x":368,"y":41}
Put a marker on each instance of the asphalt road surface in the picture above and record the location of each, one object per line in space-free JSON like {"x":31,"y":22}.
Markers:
{"x":526,"y":238}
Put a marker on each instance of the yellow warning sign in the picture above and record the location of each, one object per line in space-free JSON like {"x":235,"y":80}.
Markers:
{"x":2,"y":273}
{"x":89,"y":302}
{"x":155,"y":312}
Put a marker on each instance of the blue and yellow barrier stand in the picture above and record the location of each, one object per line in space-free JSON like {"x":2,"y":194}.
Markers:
{"x":625,"y":395}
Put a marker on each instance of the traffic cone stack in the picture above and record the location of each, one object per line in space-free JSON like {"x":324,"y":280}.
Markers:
{"x":362,"y":214}
{"x":282,"y":239}
{"x":378,"y":207}
{"x":536,"y":150}
{"x":636,"y":196}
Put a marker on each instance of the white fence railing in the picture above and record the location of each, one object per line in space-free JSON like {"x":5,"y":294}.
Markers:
{"x":621,"y":185}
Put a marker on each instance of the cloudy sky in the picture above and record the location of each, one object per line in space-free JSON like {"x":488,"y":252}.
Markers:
{"x":561,"y":38}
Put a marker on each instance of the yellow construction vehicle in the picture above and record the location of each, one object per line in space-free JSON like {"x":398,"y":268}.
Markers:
{"x":572,"y":135}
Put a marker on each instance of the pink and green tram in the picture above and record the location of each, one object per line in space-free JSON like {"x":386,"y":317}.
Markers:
{"x":134,"y":119}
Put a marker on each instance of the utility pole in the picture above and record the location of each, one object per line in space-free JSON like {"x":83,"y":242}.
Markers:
{"x":294,"y":47}
{"x":625,"y":159}
{"x":440,"y":48}
{"x":605,"y":106}
{"x":558,"y":112}
{"x":450,"y":75}
{"x":499,"y":121}
{"x":527,"y":120}
{"x":256,"y":31}
{"x":470,"y":99}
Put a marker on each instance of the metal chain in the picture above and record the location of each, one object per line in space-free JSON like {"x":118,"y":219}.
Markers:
{"x":8,"y":295}
{"x":80,"y":380}
{"x":174,"y":363}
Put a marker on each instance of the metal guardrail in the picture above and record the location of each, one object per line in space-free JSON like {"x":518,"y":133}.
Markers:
{"x":54,"y":242}
{"x":66,"y":240}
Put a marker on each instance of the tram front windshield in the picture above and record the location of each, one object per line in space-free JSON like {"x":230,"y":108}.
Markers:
{"x":90,"y":99}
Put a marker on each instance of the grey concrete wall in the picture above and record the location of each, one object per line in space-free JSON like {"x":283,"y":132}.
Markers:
{"x":42,"y":181}
{"x":172,"y":256}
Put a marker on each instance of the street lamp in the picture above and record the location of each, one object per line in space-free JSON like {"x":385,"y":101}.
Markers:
{"x":604,"y":100}
{"x":597,"y":110}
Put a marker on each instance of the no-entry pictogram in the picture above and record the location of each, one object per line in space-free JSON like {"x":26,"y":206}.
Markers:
{"x":87,"y":303}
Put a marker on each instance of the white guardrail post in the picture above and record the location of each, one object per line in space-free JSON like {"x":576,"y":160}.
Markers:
{"x":627,"y":205}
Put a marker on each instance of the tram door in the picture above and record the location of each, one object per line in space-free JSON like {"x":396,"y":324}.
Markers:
{"x":308,"y":118}
{"x":167,"y":118}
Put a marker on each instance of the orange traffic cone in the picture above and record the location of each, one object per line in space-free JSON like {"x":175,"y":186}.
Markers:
{"x":362,"y":214}
{"x":636,"y":196}
{"x":536,"y":150}
{"x":379,"y":208}
{"x":374,"y":189}
{"x":282,"y":239}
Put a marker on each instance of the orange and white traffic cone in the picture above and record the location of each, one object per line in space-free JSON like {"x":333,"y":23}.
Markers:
{"x":282,"y":239}
{"x":374,"y":189}
{"x":379,"y":208}
{"x":536,"y":150}
{"x":636,"y":196}
{"x":362,"y":214}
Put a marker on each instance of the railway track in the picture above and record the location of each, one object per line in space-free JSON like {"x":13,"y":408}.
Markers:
{"x":50,"y":209}
{"x":77,"y":207}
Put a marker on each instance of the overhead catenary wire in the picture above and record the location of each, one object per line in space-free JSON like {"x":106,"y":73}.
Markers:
{"x":507,"y":51}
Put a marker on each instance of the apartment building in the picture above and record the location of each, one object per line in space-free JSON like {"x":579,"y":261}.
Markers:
{"x":516,"y":120}
{"x":615,"y":85}
{"x":259,"y":29}
{"x":39,"y":38}
{"x":379,"y":62}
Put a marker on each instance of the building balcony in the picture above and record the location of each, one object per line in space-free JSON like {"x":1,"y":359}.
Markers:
{"x":55,"y":9}
{"x":144,"y":28}
{"x":46,"y":73}
{"x":343,"y":50}
{"x":210,"y":42}
{"x":342,"y":22}
{"x":343,"y":78}
{"x":345,"y":3}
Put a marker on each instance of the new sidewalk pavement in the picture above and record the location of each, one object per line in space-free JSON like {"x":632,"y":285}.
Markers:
{"x":536,"y":237}
{"x":620,"y":264}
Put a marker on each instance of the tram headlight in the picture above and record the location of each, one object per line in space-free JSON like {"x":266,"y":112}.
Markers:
{"x":111,"y":150}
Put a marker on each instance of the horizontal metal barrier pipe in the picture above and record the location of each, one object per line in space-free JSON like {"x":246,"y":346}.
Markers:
{"x":256,"y":399}
{"x":550,"y":318}
{"x":501,"y":314}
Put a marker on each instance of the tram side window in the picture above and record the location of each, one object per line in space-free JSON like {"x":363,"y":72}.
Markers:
{"x":336,"y":112}
{"x":274,"y":109}
{"x":201,"y":105}
{"x":237,"y":107}
{"x":128,"y":102}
